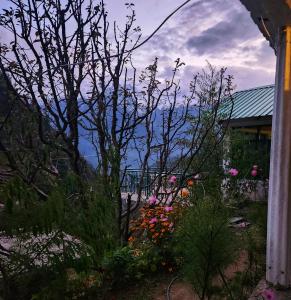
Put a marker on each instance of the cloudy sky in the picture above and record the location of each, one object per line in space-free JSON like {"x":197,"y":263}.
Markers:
{"x":218,"y":31}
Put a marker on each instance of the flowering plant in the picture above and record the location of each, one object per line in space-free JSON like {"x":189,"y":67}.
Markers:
{"x":233,"y":172}
{"x":268,"y":294}
{"x":156,"y":223}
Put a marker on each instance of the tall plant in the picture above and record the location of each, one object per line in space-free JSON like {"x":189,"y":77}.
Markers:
{"x":206,"y":244}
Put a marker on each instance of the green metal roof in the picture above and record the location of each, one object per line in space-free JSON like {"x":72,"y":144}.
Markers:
{"x":256,"y":102}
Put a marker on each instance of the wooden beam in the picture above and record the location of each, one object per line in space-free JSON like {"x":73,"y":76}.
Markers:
{"x":249,"y":122}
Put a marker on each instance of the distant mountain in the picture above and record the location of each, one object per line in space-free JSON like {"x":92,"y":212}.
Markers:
{"x":88,"y":151}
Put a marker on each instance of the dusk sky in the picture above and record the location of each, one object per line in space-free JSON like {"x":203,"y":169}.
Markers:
{"x":218,"y":31}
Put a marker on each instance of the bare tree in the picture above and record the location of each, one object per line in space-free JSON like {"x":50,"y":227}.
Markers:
{"x":75,"y":69}
{"x":49,"y":39}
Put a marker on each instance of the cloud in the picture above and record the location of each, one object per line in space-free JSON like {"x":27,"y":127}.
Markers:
{"x":224,"y":35}
{"x":265,"y":56}
{"x":245,"y":77}
{"x":221,"y":32}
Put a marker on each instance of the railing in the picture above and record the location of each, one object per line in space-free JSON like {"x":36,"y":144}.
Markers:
{"x":132,"y":179}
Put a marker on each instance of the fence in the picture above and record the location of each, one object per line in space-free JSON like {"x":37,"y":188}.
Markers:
{"x":132,"y":179}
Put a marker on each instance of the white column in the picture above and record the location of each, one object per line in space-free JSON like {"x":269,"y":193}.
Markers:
{"x":225,"y":165}
{"x":279,"y":204}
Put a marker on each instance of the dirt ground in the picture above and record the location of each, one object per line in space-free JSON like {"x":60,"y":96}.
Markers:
{"x":184,"y":291}
{"x":179,"y":291}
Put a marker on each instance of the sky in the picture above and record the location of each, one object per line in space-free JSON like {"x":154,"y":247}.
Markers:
{"x":220,"y":32}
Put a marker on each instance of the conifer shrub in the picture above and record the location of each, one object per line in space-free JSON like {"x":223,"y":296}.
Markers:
{"x":206,"y":244}
{"x":49,"y":236}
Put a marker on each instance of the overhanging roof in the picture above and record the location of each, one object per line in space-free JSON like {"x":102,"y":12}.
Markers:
{"x":269,"y":15}
{"x":252,"y":104}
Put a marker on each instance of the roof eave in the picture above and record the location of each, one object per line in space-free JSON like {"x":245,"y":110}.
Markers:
{"x":270,"y":16}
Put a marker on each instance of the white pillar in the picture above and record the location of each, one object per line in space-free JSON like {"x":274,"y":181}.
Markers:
{"x":225,"y":166}
{"x":279,"y":204}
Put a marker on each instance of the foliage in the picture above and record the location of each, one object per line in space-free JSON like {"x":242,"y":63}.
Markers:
{"x":206,"y":244}
{"x":247,"y":150}
{"x":149,"y":245}
{"x":128,"y":265}
{"x":120,"y":266}
{"x":54,"y":234}
{"x":71,"y":285}
{"x":253,"y":242}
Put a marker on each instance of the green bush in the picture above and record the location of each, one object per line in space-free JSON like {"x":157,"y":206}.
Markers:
{"x":126,"y":266}
{"x":247,"y":150}
{"x":120,"y":266}
{"x":58,"y":232}
{"x":206,"y":244}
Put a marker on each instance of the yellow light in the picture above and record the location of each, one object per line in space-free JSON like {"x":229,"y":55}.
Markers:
{"x":288,"y":2}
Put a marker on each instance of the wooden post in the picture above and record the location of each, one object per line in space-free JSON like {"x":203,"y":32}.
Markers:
{"x":279,"y":204}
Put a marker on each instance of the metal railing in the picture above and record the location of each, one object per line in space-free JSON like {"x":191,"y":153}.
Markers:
{"x":132,"y":179}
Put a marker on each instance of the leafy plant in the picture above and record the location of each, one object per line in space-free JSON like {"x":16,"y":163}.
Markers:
{"x":120,"y":266}
{"x":206,"y":244}
{"x":54,"y":234}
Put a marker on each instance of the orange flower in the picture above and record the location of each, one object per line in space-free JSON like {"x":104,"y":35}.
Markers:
{"x":152,"y":225}
{"x":184,"y":193}
{"x":156,"y":235}
{"x":131,"y":239}
{"x":190,"y":182}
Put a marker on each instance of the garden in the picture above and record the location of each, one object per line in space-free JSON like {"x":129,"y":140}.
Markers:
{"x":200,"y":243}
{"x":69,"y":227}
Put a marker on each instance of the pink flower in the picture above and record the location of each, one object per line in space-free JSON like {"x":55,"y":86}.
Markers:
{"x":255,"y":167}
{"x":268,"y":295}
{"x":242,"y":225}
{"x":171,"y":225}
{"x":153,"y":220}
{"x":168,"y":208}
{"x":173,"y":179}
{"x":153,"y":200}
{"x":254,"y":172}
{"x":233,"y":172}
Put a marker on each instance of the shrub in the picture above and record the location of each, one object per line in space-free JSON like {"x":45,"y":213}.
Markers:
{"x":155,"y":224}
{"x":51,"y":235}
{"x":206,"y":244}
{"x":128,"y":265}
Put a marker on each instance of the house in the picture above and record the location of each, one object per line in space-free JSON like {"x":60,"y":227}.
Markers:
{"x":253,"y":109}
{"x":249,"y":120}
{"x":251,"y":112}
